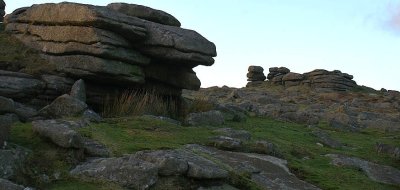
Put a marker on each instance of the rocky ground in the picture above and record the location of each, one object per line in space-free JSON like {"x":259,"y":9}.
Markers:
{"x":355,"y":109}
{"x":219,"y":146}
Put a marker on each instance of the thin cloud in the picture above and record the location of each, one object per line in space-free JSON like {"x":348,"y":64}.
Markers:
{"x":393,"y":21}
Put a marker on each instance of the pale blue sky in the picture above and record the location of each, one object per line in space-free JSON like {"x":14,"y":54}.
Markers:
{"x":359,"y":37}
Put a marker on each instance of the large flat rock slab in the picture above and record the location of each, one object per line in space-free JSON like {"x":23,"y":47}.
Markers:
{"x":183,"y":46}
{"x":67,"y":40}
{"x":59,"y":132}
{"x":127,"y":171}
{"x":376,"y":172}
{"x":266,"y":171}
{"x":94,"y":68}
{"x":19,"y":85}
{"x":145,"y":13}
{"x":80,"y":15}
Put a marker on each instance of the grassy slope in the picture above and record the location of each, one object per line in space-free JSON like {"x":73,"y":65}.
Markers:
{"x":132,"y":134}
{"x":296,"y":143}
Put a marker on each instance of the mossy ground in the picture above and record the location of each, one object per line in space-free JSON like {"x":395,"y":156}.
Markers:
{"x":128,"y":135}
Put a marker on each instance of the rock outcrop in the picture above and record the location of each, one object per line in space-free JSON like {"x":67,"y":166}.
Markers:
{"x":265,"y":147}
{"x":319,"y":79}
{"x":59,"y":132}
{"x":113,"y":48}
{"x":325,"y":139}
{"x":12,"y":159}
{"x":143,"y":169}
{"x":19,"y":86}
{"x":335,"y":80}
{"x":145,"y":13}
{"x":127,"y":171}
{"x":68,"y":105}
{"x":11,"y":112}
{"x":276,"y":72}
{"x":193,"y":163}
{"x":95,"y":149}
{"x":266,"y":171}
{"x":256,"y":73}
{"x":63,"y":133}
{"x":350,"y":110}
{"x":376,"y":172}
{"x":210,"y":118}
{"x":2,"y":12}
{"x":225,"y":143}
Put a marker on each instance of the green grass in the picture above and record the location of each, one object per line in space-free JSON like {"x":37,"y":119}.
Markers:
{"x":46,"y":158}
{"x":128,"y":135}
{"x":296,"y":143}
{"x":124,"y":136}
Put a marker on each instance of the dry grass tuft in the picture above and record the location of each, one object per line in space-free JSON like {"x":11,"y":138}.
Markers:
{"x":201,"y":104}
{"x":140,"y":102}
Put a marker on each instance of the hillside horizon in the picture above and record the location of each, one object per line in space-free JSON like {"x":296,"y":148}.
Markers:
{"x":360,"y":39}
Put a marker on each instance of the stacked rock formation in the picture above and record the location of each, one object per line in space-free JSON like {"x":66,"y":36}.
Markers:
{"x":319,"y":79}
{"x":256,"y":73}
{"x":277,"y":73}
{"x":2,"y":12}
{"x":113,"y":48}
{"x":335,"y":80}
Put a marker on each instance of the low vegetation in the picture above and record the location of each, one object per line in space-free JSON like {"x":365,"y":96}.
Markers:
{"x":139,"y":102}
{"x":200,"y":104}
{"x":128,"y":135}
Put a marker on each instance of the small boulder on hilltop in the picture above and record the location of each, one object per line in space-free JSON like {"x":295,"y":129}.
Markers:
{"x":256,"y":73}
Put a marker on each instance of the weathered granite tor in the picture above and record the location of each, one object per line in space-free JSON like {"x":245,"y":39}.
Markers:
{"x":113,"y":48}
{"x":318,"y":79}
